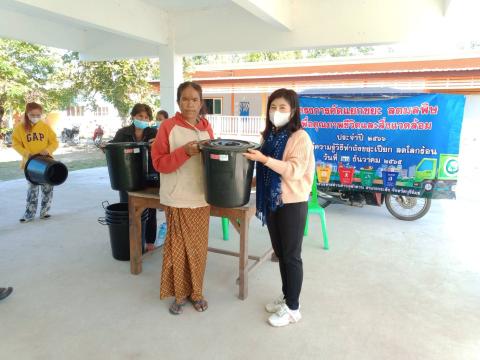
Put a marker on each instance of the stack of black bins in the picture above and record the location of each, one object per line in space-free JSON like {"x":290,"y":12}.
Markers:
{"x":130,"y":169}
{"x":116,"y":217}
{"x":227,"y":173}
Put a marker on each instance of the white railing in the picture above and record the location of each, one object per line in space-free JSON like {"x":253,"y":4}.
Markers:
{"x":237,"y":126}
{"x":248,"y":127}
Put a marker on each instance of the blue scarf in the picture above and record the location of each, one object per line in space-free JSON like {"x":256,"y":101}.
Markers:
{"x":269,"y":183}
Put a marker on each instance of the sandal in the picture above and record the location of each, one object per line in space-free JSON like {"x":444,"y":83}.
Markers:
{"x":199,"y":305}
{"x":150,"y":247}
{"x":177,"y":308}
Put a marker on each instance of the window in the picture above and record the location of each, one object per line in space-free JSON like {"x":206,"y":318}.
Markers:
{"x":213,"y":105}
{"x":101,"y":111}
{"x":75,"y":111}
{"x":426,"y":165}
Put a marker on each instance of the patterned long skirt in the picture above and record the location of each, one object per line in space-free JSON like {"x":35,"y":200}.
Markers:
{"x":185,"y":253}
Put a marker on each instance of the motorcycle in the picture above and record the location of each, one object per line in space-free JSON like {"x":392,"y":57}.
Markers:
{"x":97,"y":141}
{"x":98,"y":136}
{"x":7,"y":137}
{"x":71,"y":136}
{"x":402,"y":207}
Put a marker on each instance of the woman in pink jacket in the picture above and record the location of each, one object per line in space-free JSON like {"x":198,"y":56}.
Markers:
{"x":285,"y":168}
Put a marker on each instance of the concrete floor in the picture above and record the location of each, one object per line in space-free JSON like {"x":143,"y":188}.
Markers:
{"x":385,"y":290}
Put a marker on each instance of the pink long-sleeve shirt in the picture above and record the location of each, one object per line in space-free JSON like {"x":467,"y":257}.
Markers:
{"x":296,"y":168}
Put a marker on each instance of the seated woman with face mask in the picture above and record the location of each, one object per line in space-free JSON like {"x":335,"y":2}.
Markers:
{"x":140,"y":131}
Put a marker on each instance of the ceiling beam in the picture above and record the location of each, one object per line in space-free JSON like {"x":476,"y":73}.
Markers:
{"x":133,"y":19}
{"x":277,"y":13}
{"x":30,"y":28}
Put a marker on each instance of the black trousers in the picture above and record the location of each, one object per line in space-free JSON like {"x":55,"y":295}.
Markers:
{"x":151,"y":226}
{"x":286,"y":226}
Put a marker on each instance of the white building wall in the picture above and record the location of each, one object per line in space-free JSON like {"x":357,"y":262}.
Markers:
{"x":87,"y":122}
{"x":254,"y":100}
{"x":469,"y":171}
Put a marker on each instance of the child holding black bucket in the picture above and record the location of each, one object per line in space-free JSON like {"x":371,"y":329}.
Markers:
{"x":32,"y":136}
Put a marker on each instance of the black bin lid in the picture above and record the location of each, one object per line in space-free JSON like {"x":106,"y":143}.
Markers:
{"x":125,"y":144}
{"x":233,"y":145}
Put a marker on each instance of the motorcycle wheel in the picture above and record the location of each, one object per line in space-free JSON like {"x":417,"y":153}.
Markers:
{"x":407,"y":208}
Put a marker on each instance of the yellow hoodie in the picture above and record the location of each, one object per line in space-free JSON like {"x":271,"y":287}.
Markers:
{"x":41,"y":137}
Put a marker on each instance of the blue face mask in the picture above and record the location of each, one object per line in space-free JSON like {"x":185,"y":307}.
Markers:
{"x":139,"y":124}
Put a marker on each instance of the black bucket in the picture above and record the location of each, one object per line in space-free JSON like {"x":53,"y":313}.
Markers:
{"x":125,"y":164}
{"x":118,"y":228}
{"x":41,"y":170}
{"x":116,"y":210}
{"x":227,"y":173}
{"x":151,"y":176}
{"x":130,"y":166}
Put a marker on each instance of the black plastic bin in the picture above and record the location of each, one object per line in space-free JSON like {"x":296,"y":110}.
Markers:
{"x":125,"y":165}
{"x":227,"y":173}
{"x":130,"y":166}
{"x":116,"y":217}
{"x":41,"y":170}
{"x":151,"y":176}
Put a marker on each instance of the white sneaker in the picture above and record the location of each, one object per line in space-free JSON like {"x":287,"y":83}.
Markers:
{"x":284,"y":317}
{"x":275,"y":305}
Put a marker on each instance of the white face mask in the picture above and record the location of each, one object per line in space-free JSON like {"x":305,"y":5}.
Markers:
{"x":34,"y":119}
{"x":279,"y":119}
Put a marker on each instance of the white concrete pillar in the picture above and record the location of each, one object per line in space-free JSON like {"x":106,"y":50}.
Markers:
{"x":171,"y":75}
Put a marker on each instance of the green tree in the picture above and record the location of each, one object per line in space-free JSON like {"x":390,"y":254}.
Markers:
{"x":189,"y":62}
{"x":30,"y":72}
{"x":273,"y":56}
{"x":120,"y":82}
{"x":339,"y":52}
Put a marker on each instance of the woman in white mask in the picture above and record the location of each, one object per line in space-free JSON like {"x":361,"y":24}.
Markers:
{"x":32,"y":137}
{"x":139,"y":130}
{"x":285,"y":168}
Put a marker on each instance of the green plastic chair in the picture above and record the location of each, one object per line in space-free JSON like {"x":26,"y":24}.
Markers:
{"x":315,"y":208}
{"x":225,"y":223}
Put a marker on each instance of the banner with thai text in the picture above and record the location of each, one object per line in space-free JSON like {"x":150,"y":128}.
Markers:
{"x":406,"y":145}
